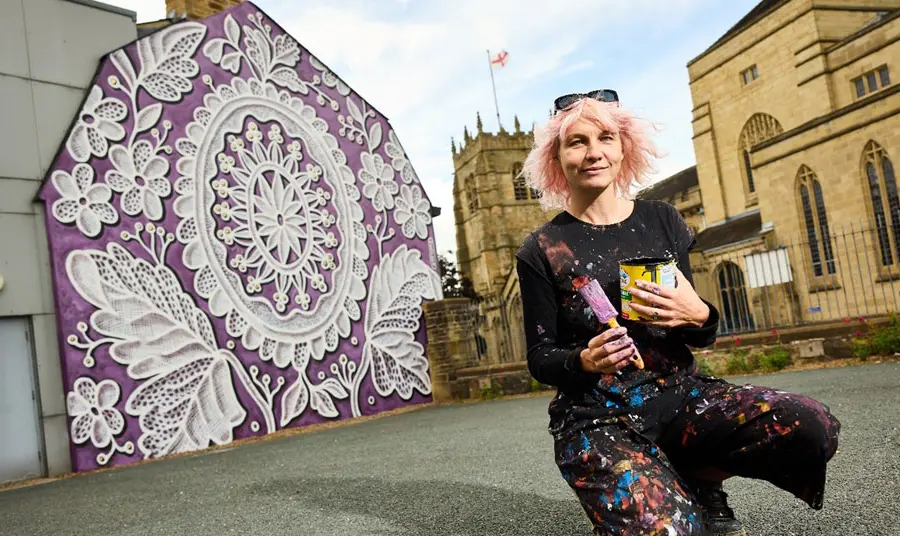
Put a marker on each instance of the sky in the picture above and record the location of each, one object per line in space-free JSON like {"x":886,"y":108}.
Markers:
{"x":424,"y":65}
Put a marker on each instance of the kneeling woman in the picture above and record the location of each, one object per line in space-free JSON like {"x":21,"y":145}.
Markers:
{"x":644,"y":449}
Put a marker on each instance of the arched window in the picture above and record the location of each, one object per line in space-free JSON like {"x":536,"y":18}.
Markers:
{"x":520,"y":186}
{"x":735,"y":313}
{"x":882,"y":187}
{"x":757,"y":129}
{"x":815,"y":218}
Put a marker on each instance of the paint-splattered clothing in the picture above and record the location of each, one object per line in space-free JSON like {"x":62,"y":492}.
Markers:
{"x":624,"y":441}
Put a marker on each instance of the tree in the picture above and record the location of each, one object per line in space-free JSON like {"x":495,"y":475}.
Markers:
{"x":453,"y":284}
{"x":450,"y":280}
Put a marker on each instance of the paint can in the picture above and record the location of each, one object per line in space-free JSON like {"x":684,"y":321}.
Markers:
{"x":659,"y":270}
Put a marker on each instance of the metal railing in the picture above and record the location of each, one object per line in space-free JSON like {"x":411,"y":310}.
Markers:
{"x":845,"y":272}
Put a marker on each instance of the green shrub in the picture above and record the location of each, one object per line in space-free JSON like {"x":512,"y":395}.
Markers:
{"x":775,"y":359}
{"x":737,"y":363}
{"x":494,"y":391}
{"x":882,"y":340}
{"x":705,"y":367}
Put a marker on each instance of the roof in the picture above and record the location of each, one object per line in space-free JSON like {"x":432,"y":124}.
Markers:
{"x":666,"y":188}
{"x":741,"y":227}
{"x":761,"y":10}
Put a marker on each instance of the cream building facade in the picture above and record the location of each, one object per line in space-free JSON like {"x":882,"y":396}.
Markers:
{"x":793,"y":199}
{"x":795,"y":131}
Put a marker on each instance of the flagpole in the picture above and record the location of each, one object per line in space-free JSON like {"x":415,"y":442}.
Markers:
{"x":494,"y":86}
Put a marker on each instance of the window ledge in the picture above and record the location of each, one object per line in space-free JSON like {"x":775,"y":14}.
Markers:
{"x":885,"y":277}
{"x":823,"y":284}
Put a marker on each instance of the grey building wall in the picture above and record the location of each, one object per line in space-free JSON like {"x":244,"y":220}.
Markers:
{"x":49,"y":51}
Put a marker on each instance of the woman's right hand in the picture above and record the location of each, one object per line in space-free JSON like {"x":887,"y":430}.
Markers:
{"x":608,"y":352}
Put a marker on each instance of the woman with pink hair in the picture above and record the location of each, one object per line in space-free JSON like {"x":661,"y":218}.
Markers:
{"x":644,"y":449}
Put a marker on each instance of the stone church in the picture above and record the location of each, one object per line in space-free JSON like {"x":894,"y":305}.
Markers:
{"x":793,"y":199}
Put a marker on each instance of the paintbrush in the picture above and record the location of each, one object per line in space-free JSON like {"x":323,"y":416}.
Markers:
{"x":593,"y":294}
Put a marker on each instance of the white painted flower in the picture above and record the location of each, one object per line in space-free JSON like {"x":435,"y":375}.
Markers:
{"x":140,"y":175}
{"x":398,"y":159}
{"x":279,"y":226}
{"x":93,"y":412}
{"x":275,"y":134}
{"x":294,"y":150}
{"x":413,"y":213}
{"x":378,"y":181}
{"x":279,"y":221}
{"x":83,"y":202}
{"x":97,"y":124}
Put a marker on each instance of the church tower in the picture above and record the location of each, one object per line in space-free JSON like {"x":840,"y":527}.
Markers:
{"x":493,"y":207}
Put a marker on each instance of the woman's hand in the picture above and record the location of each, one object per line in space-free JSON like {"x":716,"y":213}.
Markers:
{"x":670,"y":307}
{"x":608,"y":352}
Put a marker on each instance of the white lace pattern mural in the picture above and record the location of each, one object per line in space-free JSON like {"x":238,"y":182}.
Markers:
{"x":242,"y":245}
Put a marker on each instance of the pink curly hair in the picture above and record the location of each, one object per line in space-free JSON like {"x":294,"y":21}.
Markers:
{"x":543,"y":172}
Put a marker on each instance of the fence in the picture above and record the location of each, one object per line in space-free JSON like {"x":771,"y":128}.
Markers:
{"x":836,"y":273}
{"x":832,"y":273}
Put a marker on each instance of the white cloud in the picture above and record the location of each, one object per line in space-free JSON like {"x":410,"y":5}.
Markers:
{"x":423,"y":63}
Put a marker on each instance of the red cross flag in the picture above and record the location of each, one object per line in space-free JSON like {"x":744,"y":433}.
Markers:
{"x":500,"y":59}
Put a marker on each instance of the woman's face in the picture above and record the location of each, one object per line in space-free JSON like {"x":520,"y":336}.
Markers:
{"x":590,"y":157}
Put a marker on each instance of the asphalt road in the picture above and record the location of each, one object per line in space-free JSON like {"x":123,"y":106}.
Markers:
{"x":473,"y":470}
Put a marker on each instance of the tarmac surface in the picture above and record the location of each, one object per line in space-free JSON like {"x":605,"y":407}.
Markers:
{"x":462,"y":470}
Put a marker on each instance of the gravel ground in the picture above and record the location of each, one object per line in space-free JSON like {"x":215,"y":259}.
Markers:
{"x":471,"y":469}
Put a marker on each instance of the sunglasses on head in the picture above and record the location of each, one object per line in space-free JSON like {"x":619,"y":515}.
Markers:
{"x":602,"y":95}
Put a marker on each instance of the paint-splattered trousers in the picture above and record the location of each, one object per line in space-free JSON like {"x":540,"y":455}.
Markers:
{"x":630,"y":474}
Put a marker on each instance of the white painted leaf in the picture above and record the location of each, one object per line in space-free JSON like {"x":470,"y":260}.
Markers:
{"x":148,"y":117}
{"x":294,"y":401}
{"x":286,"y":51}
{"x":334,"y":387}
{"x":232,"y":30}
{"x":231,"y":62}
{"x":288,"y":77}
{"x":214,"y":50}
{"x":188,"y":400}
{"x":397,"y":288}
{"x":374,"y":136}
{"x":322,"y":403}
{"x":123,"y":64}
{"x":355,"y":113}
{"x":167,"y":63}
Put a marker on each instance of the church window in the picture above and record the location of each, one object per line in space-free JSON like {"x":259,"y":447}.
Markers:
{"x":872,"y":81}
{"x":759,"y":128}
{"x":815,"y":219}
{"x":881,"y":182}
{"x":750,"y":74}
{"x":520,"y":187}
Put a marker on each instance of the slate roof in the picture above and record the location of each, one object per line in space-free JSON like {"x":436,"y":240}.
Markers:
{"x":737,"y":229}
{"x":682,"y":181}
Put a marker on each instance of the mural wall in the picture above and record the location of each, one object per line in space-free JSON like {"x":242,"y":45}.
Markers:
{"x":240,"y":245}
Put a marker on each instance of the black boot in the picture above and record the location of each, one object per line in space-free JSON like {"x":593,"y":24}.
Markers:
{"x":719,"y":518}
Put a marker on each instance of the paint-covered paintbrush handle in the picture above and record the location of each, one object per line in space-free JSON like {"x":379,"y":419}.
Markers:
{"x":636,"y":358}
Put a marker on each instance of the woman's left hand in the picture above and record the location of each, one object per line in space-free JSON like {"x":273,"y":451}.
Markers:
{"x":670,"y":307}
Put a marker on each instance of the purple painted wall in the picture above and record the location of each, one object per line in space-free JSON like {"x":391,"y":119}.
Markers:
{"x":240,"y":245}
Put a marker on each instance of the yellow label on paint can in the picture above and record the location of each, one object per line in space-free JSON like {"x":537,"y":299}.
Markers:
{"x":655,"y":270}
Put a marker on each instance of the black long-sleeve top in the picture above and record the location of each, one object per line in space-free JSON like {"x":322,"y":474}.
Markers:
{"x":559,"y":323}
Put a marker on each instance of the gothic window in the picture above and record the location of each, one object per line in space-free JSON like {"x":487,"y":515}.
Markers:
{"x":735,"y":313}
{"x":759,"y":128}
{"x":470,"y":194}
{"x":520,"y":187}
{"x":812,"y":207}
{"x":882,"y":186}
